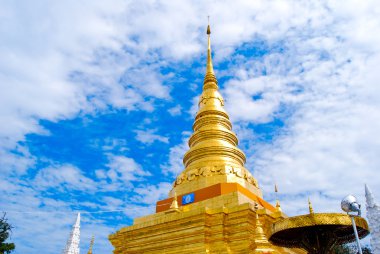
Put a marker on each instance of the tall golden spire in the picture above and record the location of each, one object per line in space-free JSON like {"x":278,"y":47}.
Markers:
{"x":213,"y":156}
{"x":210,"y":79}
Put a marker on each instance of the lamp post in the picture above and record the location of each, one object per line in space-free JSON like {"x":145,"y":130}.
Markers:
{"x":351,"y":206}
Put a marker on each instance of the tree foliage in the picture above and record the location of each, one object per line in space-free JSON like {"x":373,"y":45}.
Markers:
{"x":350,"y":249}
{"x":5,"y":230}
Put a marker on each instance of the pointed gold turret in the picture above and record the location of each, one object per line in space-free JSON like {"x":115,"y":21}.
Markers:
{"x":91,"y":245}
{"x":174,"y":204}
{"x":261,"y":241}
{"x":278,"y":206}
{"x":213,"y":156}
{"x":311,"y":210}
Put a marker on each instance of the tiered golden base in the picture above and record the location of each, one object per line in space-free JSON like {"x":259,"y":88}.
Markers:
{"x":223,"y":224}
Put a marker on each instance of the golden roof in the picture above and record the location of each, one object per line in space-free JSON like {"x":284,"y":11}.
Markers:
{"x":292,"y":231}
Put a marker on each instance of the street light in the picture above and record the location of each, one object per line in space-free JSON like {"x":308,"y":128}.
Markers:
{"x":351,"y":206}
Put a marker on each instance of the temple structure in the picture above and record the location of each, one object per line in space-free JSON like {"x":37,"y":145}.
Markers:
{"x":72,"y":245}
{"x":373,"y":215}
{"x":215,"y":205}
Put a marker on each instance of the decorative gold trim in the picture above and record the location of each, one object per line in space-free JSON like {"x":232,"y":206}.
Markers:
{"x":225,"y":135}
{"x":316,"y":219}
{"x":215,"y":170}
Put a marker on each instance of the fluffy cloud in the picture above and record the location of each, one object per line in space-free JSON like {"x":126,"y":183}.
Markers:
{"x":175,"y":111}
{"x":150,"y":194}
{"x":149,"y":136}
{"x":174,"y":166}
{"x":314,"y":68}
{"x":63,"y":177}
{"x":59,"y":59}
{"x":324,"y":87}
{"x":125,"y":169}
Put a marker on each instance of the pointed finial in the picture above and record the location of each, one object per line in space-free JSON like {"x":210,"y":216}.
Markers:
{"x":210,"y":79}
{"x":91,"y":245}
{"x":260,"y":237}
{"x":258,"y":223}
{"x":208,"y":26}
{"x":311,"y":210}
{"x":174,"y":204}
{"x":278,"y":206}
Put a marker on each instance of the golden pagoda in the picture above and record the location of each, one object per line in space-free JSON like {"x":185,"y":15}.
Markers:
{"x":215,"y":205}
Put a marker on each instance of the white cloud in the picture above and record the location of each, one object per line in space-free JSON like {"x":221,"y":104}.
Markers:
{"x":112,"y":203}
{"x":59,"y":59}
{"x":63,"y":177}
{"x":110,"y":144}
{"x":125,"y":169}
{"x":174,"y":165}
{"x":326,"y":80}
{"x":150,"y":194}
{"x":148,"y":137}
{"x":175,"y":111}
{"x":16,"y":160}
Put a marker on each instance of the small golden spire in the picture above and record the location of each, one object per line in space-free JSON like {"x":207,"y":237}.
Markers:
{"x":311,"y":210}
{"x":174,"y":204}
{"x":259,"y":231}
{"x":261,"y":241}
{"x":91,"y":245}
{"x":278,"y":206}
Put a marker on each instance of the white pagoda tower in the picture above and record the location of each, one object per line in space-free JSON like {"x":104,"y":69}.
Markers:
{"x":72,"y":245}
{"x":373,"y":216}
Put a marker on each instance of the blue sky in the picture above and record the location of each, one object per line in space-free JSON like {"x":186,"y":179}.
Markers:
{"x":98,"y":98}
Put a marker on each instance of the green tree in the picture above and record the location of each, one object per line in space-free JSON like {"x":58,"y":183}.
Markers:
{"x":5,"y":229}
{"x":366,"y":250}
{"x":343,"y":249}
{"x":350,"y":249}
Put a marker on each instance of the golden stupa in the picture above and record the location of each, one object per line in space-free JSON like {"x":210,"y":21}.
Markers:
{"x":215,"y":205}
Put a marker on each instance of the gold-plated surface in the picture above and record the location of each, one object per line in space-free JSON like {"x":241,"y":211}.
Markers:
{"x":205,"y":227}
{"x":214,"y":191}
{"x":197,"y":178}
{"x":261,"y":240}
{"x":213,"y":156}
{"x":278,"y":206}
{"x":316,"y":219}
{"x":316,"y":232}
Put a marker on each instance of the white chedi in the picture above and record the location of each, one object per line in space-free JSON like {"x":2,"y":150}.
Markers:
{"x":72,"y":245}
{"x":373,"y":216}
